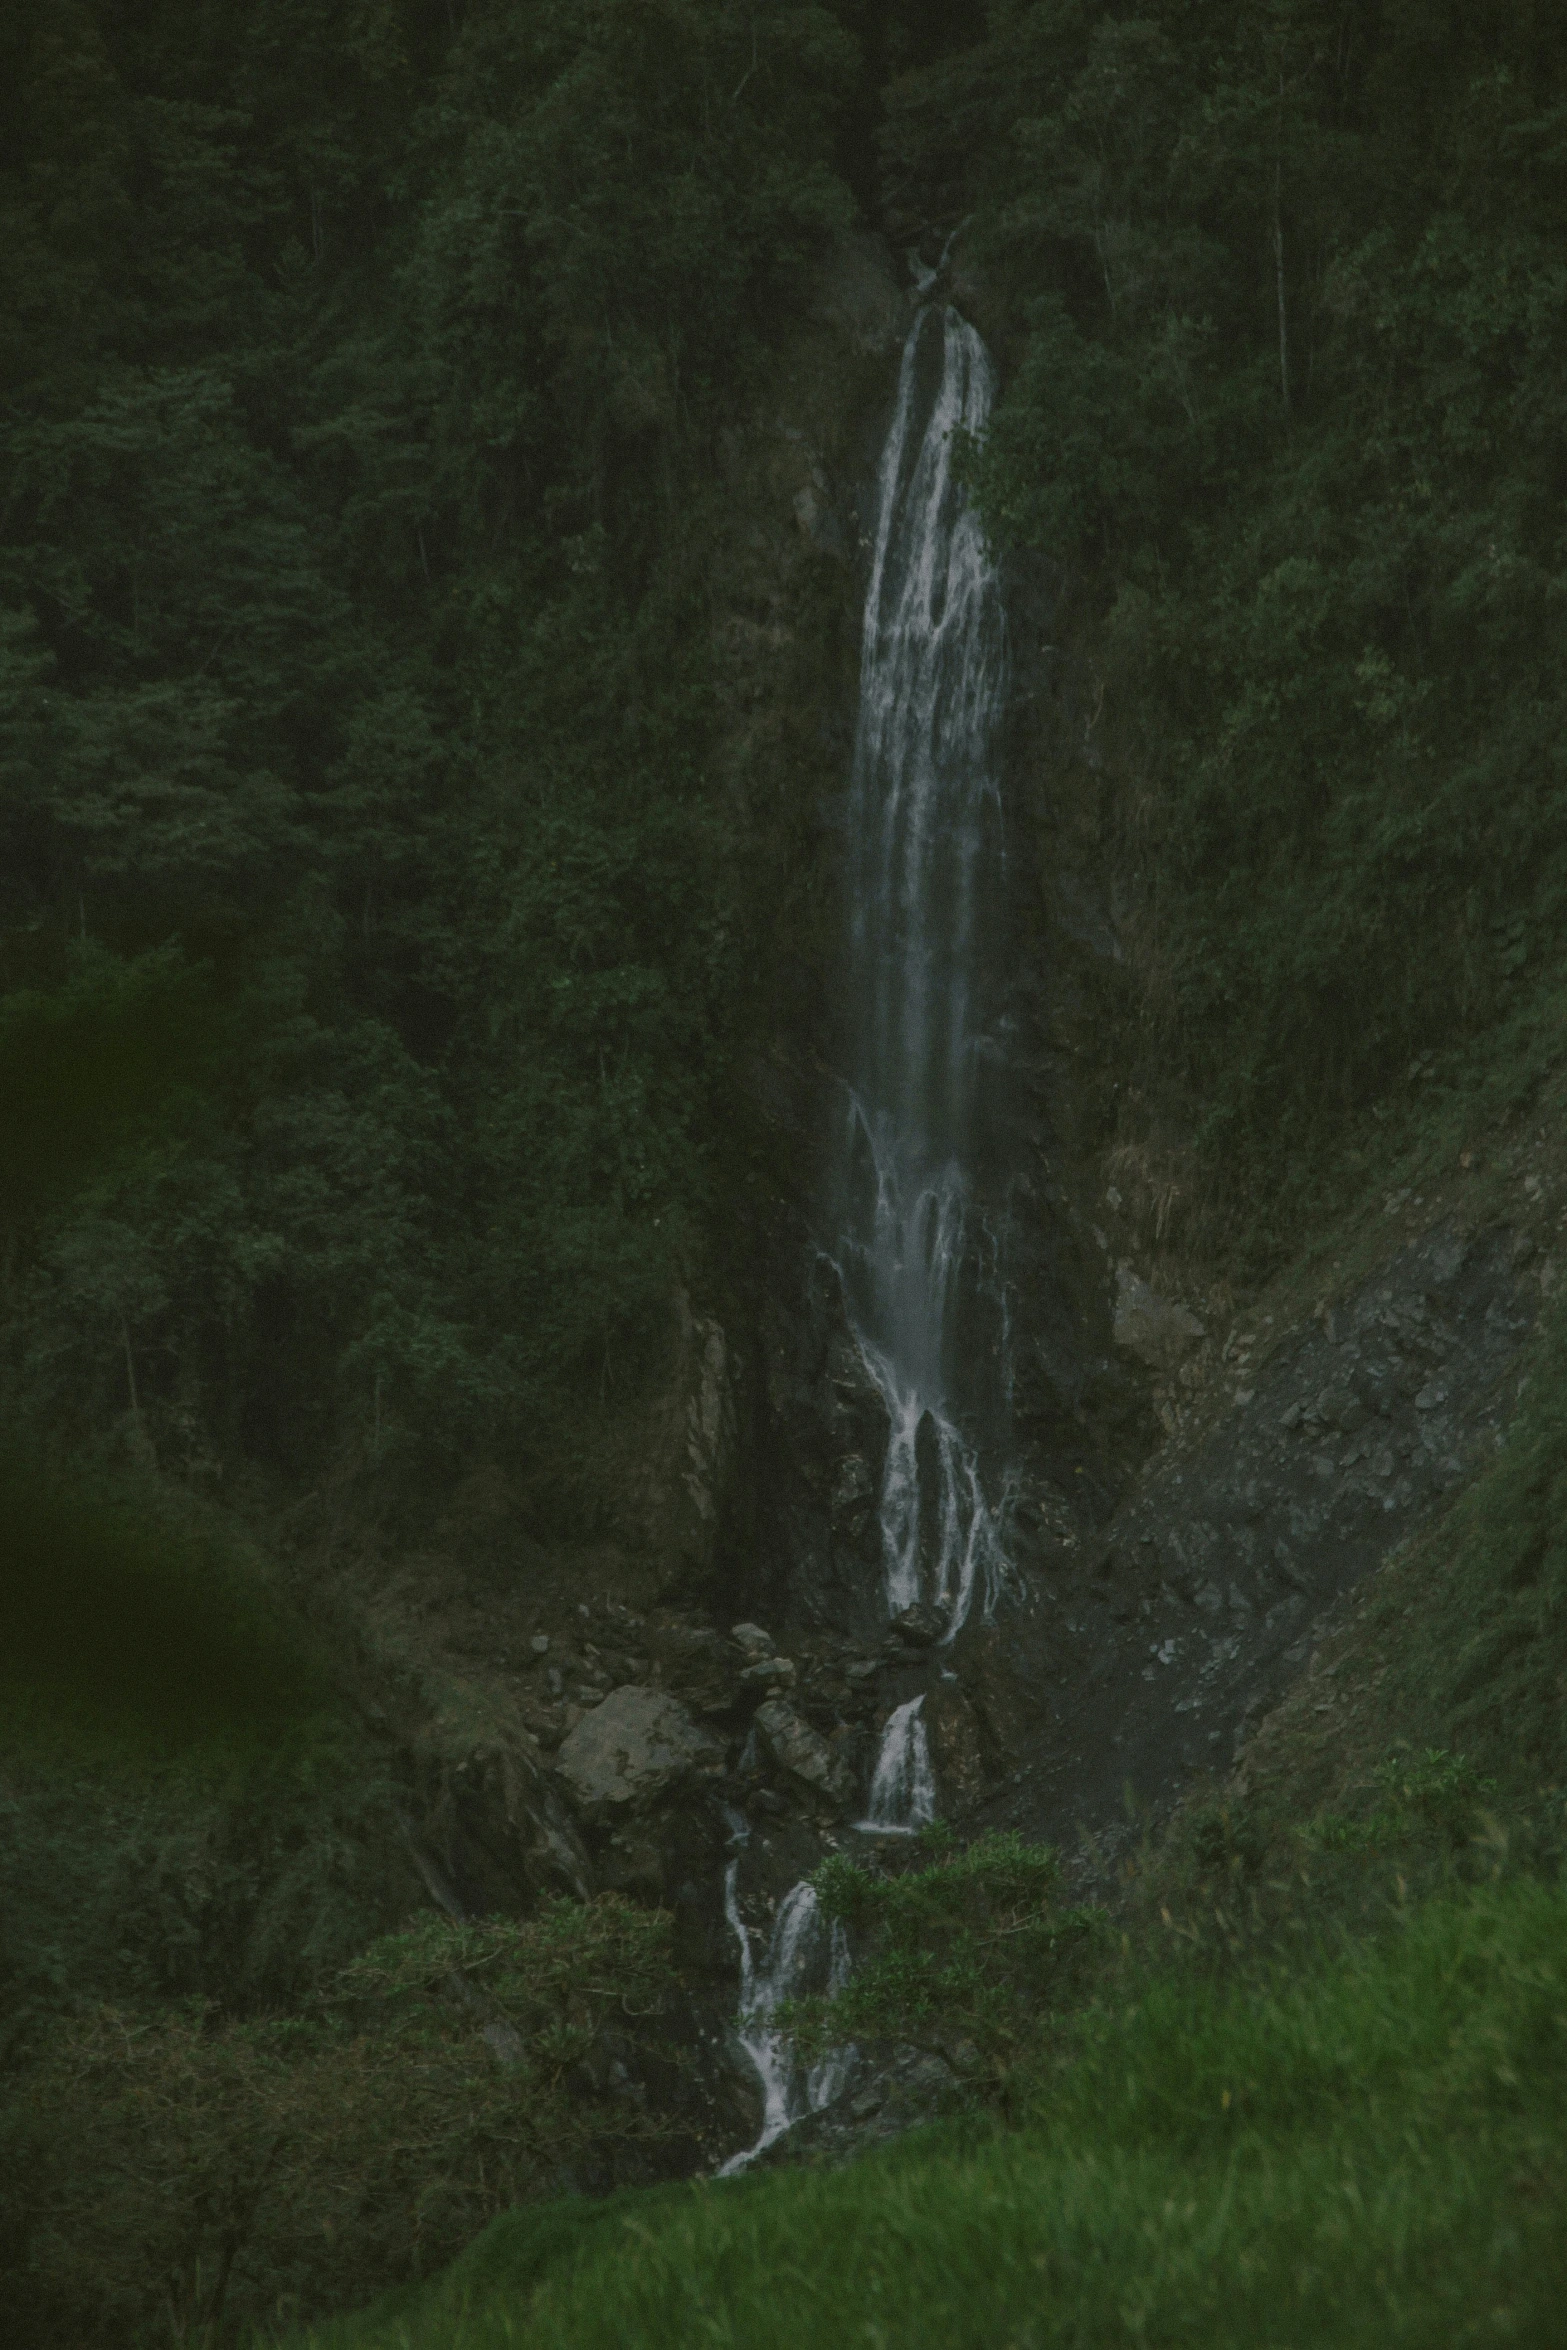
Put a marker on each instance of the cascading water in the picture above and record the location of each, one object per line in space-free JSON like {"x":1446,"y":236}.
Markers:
{"x":804,"y":1954}
{"x":903,"y":1785}
{"x":924,"y":826}
{"x":920,"y":1270}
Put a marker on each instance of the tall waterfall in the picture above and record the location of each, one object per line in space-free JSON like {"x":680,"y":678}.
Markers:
{"x":924,"y":828}
{"x":920,"y":1270}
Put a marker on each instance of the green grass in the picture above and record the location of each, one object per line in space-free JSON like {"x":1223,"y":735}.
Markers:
{"x":1371,"y":2151}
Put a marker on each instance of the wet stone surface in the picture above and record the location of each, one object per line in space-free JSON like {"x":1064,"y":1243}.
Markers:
{"x":887,"y":2090}
{"x":1147,"y":1653}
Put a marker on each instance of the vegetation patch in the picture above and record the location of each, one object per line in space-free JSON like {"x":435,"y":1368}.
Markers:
{"x":962,"y":1954}
{"x":1364,"y":2152}
{"x":179,"y":2173}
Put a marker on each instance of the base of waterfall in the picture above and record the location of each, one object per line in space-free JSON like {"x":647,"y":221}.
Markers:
{"x":887,"y":2091}
{"x":806,"y":1953}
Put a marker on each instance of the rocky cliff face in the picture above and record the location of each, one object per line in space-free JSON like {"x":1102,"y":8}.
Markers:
{"x":1144,"y":1656}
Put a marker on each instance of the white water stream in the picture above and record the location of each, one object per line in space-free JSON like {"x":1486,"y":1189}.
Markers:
{"x":903,"y":1785}
{"x":924,"y":824}
{"x":804,"y":1954}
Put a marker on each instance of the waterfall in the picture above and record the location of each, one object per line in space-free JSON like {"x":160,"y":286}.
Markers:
{"x":804,"y":1955}
{"x":903,"y":1785}
{"x":921,"y":1271}
{"x":924,"y":829}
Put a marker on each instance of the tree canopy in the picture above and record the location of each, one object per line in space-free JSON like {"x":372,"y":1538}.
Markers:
{"x":356,"y":371}
{"x":1289,"y":311}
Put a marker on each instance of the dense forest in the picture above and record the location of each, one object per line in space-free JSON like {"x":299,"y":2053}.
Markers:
{"x":1286,"y":397}
{"x":358,"y":831}
{"x":393,"y":918}
{"x":374,"y":922}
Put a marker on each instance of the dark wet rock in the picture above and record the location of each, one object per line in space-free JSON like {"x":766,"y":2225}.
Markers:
{"x":488,"y":1833}
{"x":1159,"y":1332}
{"x":818,"y":1450}
{"x":927,"y":1464}
{"x":853,"y":1494}
{"x":860,"y":296}
{"x":694,"y":1664}
{"x":769,"y":1673}
{"x":683,"y":1505}
{"x":919,"y":1626}
{"x":957,"y":1744}
{"x":631,"y":1751}
{"x":803,"y":1752}
{"x":889,"y":2090}
{"x":1139,"y":1661}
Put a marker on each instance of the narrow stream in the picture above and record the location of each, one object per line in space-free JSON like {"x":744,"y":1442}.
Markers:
{"x":918,"y":1266}
{"x":804,"y":1954}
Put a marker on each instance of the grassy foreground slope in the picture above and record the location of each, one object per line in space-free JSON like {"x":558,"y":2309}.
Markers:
{"x":1373,"y":2153}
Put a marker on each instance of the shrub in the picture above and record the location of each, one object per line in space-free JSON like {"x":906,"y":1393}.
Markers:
{"x":959,"y":1955}
{"x":179,"y":2171}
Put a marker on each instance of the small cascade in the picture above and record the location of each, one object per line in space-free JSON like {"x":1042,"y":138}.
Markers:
{"x":941,"y":1540}
{"x":903,"y":1786}
{"x":804,"y":1955}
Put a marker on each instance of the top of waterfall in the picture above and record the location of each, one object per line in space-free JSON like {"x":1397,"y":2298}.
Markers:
{"x":926,"y":279}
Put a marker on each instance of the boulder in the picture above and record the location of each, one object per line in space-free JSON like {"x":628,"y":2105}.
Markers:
{"x":769,"y":1672}
{"x":631,"y":1750}
{"x":802,"y":1751}
{"x":919,"y":1626}
{"x":1154,"y":1329}
{"x":695,"y":1665}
